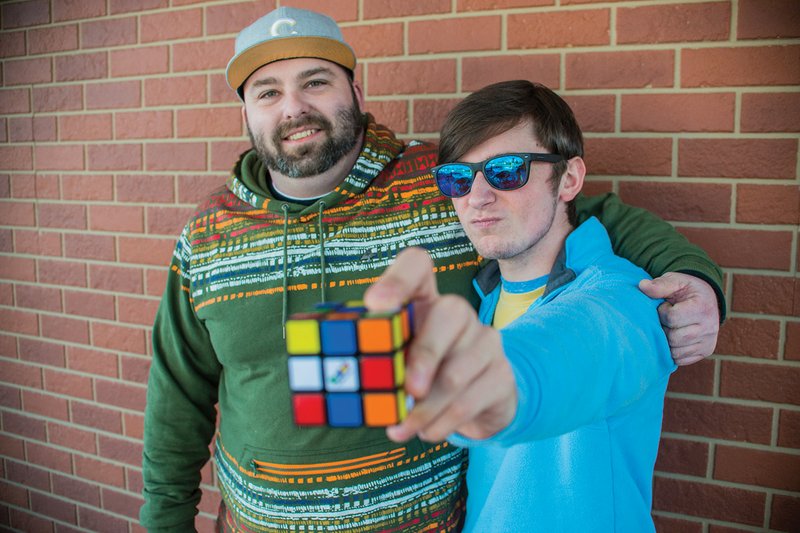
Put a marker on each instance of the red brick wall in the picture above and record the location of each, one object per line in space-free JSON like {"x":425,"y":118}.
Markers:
{"x":115,"y":118}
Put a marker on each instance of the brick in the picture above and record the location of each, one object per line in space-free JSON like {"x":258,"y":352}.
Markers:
{"x":145,"y":251}
{"x":20,"y":374}
{"x":88,"y":66}
{"x":59,"y":157}
{"x":694,"y":379}
{"x":733,"y":158}
{"x":134,"y":426}
{"x":46,"y":353}
{"x":126,"y":396}
{"x":126,"y":6}
{"x":176,"y":90}
{"x":770,"y":112}
{"x":20,"y":129}
{"x":88,"y":304}
{"x":135,"y":482}
{"x":376,"y":40}
{"x":225,"y":153}
{"x":747,"y":66}
{"x":682,"y":457}
{"x":167,"y":220}
{"x":709,"y":501}
{"x":429,"y":115}
{"x":76,"y":490}
{"x":626,"y":69}
{"x":49,"y":457}
{"x":95,"y":362}
{"x":41,"y":298}
{"x":594,"y":113}
{"x":65,"y":328}
{"x":90,"y":187}
{"x":763,"y":294}
{"x":712,"y":112}
{"x":122,"y":503}
{"x":113,"y":95}
{"x":201,"y":55}
{"x":126,"y":156}
{"x":24,"y":521}
{"x":768,"y":19}
{"x":119,"y":338}
{"x":791,"y":350}
{"x":108,"y":32}
{"x":144,"y":188}
{"x":718,"y":420}
{"x":27,"y":475}
{"x":393,"y":114}
{"x":93,"y":520}
{"x":12,"y":43}
{"x":374,"y":9}
{"x":558,"y":29}
{"x":116,"y":218}
{"x":628,"y":156}
{"x":99,"y":471}
{"x":57,"y":272}
{"x":143,"y":125}
{"x":156,"y":280}
{"x":210,"y":501}
{"x":9,"y":397}
{"x":232,"y":17}
{"x":694,"y":202}
{"x":17,"y":214}
{"x":116,"y":278}
{"x":412,"y":77}
{"x":44,"y":129}
{"x":19,"y":321}
{"x":88,"y":246}
{"x":120,"y":450}
{"x":749,"y":337}
{"x":744,"y":248}
{"x":785,"y":512}
{"x":180,"y":156}
{"x":44,"y":405}
{"x":709,"y":21}
{"x":192,"y":189}
{"x":17,"y":268}
{"x":210,"y":122}
{"x":22,"y":14}
{"x":57,"y":98}
{"x":753,"y":381}
{"x":94,"y":127}
{"x":67,"y":216}
{"x":16,"y":157}
{"x":67,"y":436}
{"x":24,"y":426}
{"x":172,"y":25}
{"x":757,"y":467}
{"x":97,"y":417}
{"x":446,"y":35}
{"x":768,"y":204}
{"x":136,"y":369}
{"x":53,"y":39}
{"x":139,"y":61}
{"x":27,"y":71}
{"x":15,"y":101}
{"x":220,"y":93}
{"x":137,"y":310}
{"x":13,"y":494}
{"x":78,"y":9}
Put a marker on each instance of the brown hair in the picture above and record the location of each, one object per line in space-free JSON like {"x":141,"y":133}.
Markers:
{"x":499,"y":107}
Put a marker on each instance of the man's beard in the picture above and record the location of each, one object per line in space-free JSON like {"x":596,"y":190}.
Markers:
{"x":315,"y":158}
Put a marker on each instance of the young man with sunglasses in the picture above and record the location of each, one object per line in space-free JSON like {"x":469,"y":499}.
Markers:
{"x":557,"y":385}
{"x":316,"y":210}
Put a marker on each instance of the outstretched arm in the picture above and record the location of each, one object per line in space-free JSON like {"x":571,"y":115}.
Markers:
{"x":695,"y":303}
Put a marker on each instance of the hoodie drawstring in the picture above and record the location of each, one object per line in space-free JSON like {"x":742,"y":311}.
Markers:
{"x":322,"y":281}
{"x":285,"y":307}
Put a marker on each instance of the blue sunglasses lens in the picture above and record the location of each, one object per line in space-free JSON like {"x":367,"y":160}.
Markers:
{"x":454,"y":180}
{"x":506,"y":172}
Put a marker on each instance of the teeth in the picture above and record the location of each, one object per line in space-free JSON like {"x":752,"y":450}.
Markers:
{"x":300,"y":135}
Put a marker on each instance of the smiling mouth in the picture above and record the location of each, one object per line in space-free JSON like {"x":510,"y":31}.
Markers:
{"x":301,"y":135}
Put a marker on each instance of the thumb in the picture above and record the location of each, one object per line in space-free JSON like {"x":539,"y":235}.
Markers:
{"x":409,"y":277}
{"x":664,"y":287}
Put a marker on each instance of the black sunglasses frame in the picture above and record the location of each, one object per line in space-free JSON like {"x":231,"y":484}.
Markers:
{"x":527,"y":158}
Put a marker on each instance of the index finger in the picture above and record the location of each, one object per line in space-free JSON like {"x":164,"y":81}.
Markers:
{"x":409,"y":278}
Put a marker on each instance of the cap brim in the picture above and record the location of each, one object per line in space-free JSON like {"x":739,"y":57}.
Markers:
{"x":243,"y":65}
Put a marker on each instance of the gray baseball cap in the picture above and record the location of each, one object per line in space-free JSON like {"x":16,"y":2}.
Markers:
{"x":287,"y":33}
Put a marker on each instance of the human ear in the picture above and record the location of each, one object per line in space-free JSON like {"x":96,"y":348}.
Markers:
{"x":572,"y":180}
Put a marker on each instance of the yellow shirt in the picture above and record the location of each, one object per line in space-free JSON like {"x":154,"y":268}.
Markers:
{"x":515,"y":299}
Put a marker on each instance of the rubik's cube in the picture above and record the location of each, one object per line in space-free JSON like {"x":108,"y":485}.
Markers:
{"x":347,"y":365}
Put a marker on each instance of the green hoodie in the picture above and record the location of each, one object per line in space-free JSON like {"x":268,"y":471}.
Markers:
{"x":242,"y":264}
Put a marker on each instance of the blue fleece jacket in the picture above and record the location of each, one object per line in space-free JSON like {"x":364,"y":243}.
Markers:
{"x":591,"y":364}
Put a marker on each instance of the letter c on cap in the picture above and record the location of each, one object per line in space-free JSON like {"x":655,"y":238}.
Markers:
{"x":277,"y":28}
